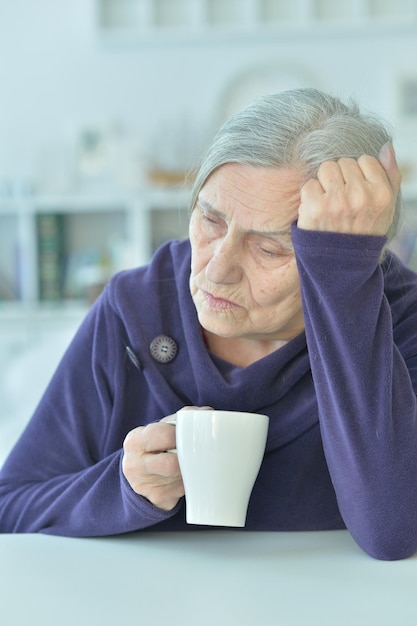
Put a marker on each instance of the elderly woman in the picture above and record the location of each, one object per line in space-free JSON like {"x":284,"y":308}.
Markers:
{"x":284,"y":301}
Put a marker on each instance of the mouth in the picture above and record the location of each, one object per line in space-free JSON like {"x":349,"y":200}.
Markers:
{"x":219,"y":303}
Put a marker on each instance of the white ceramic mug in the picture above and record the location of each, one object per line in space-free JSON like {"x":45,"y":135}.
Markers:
{"x":220,"y":454}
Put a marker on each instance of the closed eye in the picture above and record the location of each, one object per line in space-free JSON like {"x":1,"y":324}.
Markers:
{"x":208,"y":218}
{"x":272,"y":248}
{"x":267,"y":252}
{"x":212,"y":223}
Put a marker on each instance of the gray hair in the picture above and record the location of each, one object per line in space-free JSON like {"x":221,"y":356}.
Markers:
{"x":298,"y":129}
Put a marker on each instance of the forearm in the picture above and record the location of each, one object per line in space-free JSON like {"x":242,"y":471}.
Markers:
{"x":368,"y":425}
{"x":366,"y":401}
{"x":64,"y":474}
{"x":96,"y":501}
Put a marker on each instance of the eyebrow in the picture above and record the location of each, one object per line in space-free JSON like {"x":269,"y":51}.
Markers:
{"x":272,"y":233}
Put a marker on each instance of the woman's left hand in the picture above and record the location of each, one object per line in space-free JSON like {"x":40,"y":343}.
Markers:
{"x":352,"y":196}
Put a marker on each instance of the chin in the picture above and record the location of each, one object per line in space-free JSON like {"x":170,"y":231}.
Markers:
{"x":217,"y":329}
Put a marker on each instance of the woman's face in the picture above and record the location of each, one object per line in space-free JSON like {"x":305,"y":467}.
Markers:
{"x":244,"y":280}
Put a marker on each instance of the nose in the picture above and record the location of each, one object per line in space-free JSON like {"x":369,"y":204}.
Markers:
{"x":224,"y":266}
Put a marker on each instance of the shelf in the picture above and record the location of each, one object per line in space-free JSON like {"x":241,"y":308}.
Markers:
{"x":197,"y":20}
{"x":97,"y":234}
{"x":12,"y":313}
{"x":66,"y":247}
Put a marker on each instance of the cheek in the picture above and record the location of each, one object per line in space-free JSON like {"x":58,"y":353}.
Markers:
{"x":200,"y":255}
{"x":200,"y":251}
{"x":272,"y":290}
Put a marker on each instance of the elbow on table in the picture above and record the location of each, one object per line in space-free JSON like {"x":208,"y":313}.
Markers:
{"x":387,"y":547}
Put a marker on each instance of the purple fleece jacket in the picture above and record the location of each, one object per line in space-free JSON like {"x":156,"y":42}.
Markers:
{"x":341,"y":397}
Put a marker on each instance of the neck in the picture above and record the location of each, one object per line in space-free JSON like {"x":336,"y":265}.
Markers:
{"x":240,"y":351}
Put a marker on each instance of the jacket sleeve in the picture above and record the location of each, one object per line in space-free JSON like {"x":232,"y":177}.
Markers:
{"x":364,"y":364}
{"x":64,"y":474}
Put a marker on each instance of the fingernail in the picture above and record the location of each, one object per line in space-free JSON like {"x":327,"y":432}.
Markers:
{"x":387,"y":154}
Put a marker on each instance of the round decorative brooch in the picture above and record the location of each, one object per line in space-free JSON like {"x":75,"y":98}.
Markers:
{"x":163,"y":349}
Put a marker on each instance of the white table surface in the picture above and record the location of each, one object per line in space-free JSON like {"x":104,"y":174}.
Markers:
{"x":221,"y":578}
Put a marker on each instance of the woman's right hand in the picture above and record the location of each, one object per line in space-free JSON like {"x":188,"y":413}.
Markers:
{"x":149,"y":468}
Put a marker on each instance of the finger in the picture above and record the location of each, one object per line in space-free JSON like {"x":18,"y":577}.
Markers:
{"x":385,"y":182}
{"x":362,"y":178}
{"x":162,"y":464}
{"x":351,"y":171}
{"x":158,"y":437}
{"x":371,"y":170}
{"x":377,"y":171}
{"x":171,"y":419}
{"x":389,"y":163}
{"x":311,"y":194}
{"x":330,"y":176}
{"x":155,"y":437}
{"x":197,"y":408}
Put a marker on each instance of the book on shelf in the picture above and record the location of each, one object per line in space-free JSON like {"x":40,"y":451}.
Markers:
{"x":412,"y":260}
{"x":405,"y":246}
{"x":51,"y":255}
{"x":7,"y":291}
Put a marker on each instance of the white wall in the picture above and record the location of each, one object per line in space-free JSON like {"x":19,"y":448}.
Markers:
{"x":57,"y":76}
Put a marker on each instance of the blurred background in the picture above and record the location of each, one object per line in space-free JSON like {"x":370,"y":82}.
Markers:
{"x":105,"y":106}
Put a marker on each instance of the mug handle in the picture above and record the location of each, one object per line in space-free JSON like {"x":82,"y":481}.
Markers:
{"x":173,"y":422}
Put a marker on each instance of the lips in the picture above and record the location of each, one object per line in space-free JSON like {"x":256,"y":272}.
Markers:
{"x":219,"y":303}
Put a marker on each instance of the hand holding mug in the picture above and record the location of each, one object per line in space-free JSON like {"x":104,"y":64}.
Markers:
{"x":150,"y":471}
